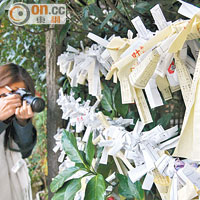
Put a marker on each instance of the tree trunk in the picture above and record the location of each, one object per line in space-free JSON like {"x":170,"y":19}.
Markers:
{"x":53,"y":111}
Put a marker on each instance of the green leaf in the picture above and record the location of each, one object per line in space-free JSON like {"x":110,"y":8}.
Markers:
{"x":165,"y":119}
{"x":122,"y":109}
{"x":60,"y":179}
{"x":143,"y":7}
{"x":95,"y":188}
{"x":136,"y":189}
{"x":73,"y":186}
{"x":129,"y":189}
{"x":70,"y":147}
{"x":85,"y":12}
{"x":60,"y":194}
{"x":63,"y":32}
{"x":61,"y":80}
{"x":68,"y":191}
{"x":65,"y":85}
{"x":105,"y":21}
{"x":104,"y":170}
{"x":95,"y":10}
{"x":90,"y":150}
{"x":85,"y":18}
{"x":106,"y":100}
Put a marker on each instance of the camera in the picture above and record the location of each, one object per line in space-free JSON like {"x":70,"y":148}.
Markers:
{"x":37,"y":104}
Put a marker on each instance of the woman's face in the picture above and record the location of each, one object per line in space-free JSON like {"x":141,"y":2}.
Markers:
{"x":13,"y":86}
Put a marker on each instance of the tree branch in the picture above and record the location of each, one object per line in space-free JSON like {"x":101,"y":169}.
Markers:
{"x":126,"y":11}
{"x":74,"y":12}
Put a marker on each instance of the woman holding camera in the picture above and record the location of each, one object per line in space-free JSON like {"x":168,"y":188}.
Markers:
{"x":17,"y":134}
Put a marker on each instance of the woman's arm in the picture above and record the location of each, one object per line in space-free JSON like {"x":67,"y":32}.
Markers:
{"x":25,"y":133}
{"x":8,"y":106}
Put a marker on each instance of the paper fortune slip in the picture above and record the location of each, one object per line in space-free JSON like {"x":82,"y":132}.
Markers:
{"x":190,"y":138}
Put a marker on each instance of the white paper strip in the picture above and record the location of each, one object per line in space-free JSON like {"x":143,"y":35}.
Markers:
{"x":148,"y":182}
{"x":163,"y":64}
{"x":152,"y":93}
{"x":192,"y":175}
{"x":139,"y":26}
{"x":137,"y":173}
{"x":159,"y":18}
{"x":188,"y":10}
{"x":87,"y":134}
{"x":169,"y":144}
{"x":98,"y":39}
{"x":174,"y":188}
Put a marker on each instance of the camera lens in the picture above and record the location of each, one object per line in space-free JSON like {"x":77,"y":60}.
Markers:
{"x":37,"y":104}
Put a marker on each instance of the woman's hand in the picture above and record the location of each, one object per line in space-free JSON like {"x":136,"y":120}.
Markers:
{"x":23,"y":113}
{"x":8,"y":106}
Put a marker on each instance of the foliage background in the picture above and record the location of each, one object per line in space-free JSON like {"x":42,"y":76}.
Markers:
{"x":25,"y":46}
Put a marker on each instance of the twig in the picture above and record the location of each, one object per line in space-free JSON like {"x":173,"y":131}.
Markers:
{"x":73,"y":11}
{"x":126,"y":11}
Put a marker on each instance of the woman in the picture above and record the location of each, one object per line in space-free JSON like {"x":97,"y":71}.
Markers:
{"x":17,"y":134}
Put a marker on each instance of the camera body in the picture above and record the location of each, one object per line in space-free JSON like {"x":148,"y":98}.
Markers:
{"x":37,"y":104}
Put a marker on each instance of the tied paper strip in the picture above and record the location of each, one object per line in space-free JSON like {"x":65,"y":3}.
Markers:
{"x":188,"y":146}
{"x":142,"y":106}
{"x":140,"y":76}
{"x":191,"y":174}
{"x":159,"y":18}
{"x":141,"y":29}
{"x":184,"y":177}
{"x":116,"y":48}
{"x":150,"y":155}
{"x":188,"y":32}
{"x":89,"y":64}
{"x":115,"y":139}
{"x":80,"y":115}
{"x":151,"y":90}
{"x":166,"y":58}
{"x":152,"y":93}
{"x":188,"y":10}
{"x":185,"y":79}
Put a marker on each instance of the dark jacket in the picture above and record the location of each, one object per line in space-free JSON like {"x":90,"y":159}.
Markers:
{"x":24,"y":136}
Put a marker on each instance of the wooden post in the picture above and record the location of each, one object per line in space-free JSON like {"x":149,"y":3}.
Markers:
{"x":53,"y":111}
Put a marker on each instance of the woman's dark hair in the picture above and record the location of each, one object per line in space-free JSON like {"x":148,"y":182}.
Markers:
{"x":12,"y":73}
